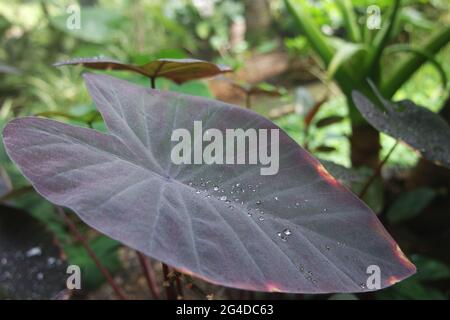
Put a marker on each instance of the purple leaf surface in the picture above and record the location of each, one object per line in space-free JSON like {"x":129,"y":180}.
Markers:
{"x":297,"y":231}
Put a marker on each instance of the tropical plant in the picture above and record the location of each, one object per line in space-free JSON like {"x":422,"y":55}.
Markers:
{"x":357,"y":57}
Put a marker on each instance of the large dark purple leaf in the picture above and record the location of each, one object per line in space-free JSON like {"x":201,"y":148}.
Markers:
{"x":419,"y":127}
{"x":31,"y":266}
{"x":297,"y":231}
{"x":177,"y":70}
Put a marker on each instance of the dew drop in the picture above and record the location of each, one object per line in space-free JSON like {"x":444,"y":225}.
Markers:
{"x":197,"y":191}
{"x":36,"y":251}
{"x":223,"y":198}
{"x":261,"y":218}
{"x":276,"y":198}
{"x":287,"y":232}
{"x":216,"y":188}
{"x":258,"y":202}
{"x":40,"y":276}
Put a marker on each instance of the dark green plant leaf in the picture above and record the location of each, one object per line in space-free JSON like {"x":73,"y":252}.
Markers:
{"x":429,"y":269}
{"x":31,"y":265}
{"x":177,"y":70}
{"x":409,"y":204}
{"x":419,"y":127}
{"x":410,"y":289}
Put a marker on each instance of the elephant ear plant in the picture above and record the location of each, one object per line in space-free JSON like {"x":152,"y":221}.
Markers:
{"x":298,"y":231}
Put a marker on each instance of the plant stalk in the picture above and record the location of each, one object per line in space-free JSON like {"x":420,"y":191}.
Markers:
{"x":77,"y":234}
{"x":149,"y":275}
{"x":377,"y":171}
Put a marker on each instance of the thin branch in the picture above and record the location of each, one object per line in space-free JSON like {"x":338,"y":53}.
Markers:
{"x":73,"y":229}
{"x":170,"y":292}
{"x":377,"y":171}
{"x":149,"y":275}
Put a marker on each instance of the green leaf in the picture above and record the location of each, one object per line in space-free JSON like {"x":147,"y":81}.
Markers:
{"x":410,"y":289}
{"x":410,"y":204}
{"x":430,"y":58}
{"x":429,"y":269}
{"x":315,"y":37}
{"x":346,"y":52}
{"x":349,"y":17}
{"x":381,"y":40}
{"x":409,"y":66}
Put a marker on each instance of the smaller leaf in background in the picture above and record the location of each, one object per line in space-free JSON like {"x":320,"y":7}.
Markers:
{"x":31,"y":265}
{"x":327,"y":121}
{"x":259,"y":89}
{"x":177,"y":70}
{"x":429,"y":269}
{"x":410,"y":204}
{"x":419,"y":127}
{"x":106,"y":250}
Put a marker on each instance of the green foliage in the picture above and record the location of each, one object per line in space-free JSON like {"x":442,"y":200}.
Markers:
{"x":337,"y":56}
{"x":410,"y":204}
